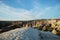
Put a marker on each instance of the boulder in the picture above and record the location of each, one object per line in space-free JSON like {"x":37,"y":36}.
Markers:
{"x":54,"y":31}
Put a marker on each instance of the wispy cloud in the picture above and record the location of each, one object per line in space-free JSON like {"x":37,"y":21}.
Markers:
{"x":37,"y":12}
{"x":14,"y":13}
{"x":46,"y":12}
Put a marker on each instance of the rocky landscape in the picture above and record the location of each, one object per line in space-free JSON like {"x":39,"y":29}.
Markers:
{"x":51,"y":25}
{"x":46,"y":29}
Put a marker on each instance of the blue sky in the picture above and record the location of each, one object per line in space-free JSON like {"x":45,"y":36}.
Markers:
{"x":29,"y":9}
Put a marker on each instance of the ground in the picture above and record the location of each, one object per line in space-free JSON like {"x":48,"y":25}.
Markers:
{"x":28,"y":33}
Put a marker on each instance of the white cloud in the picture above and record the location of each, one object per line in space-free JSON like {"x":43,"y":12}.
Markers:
{"x":10,"y":13}
{"x":14,"y":13}
{"x":46,"y":12}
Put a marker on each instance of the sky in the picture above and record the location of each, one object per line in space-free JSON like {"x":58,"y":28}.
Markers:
{"x":29,"y":9}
